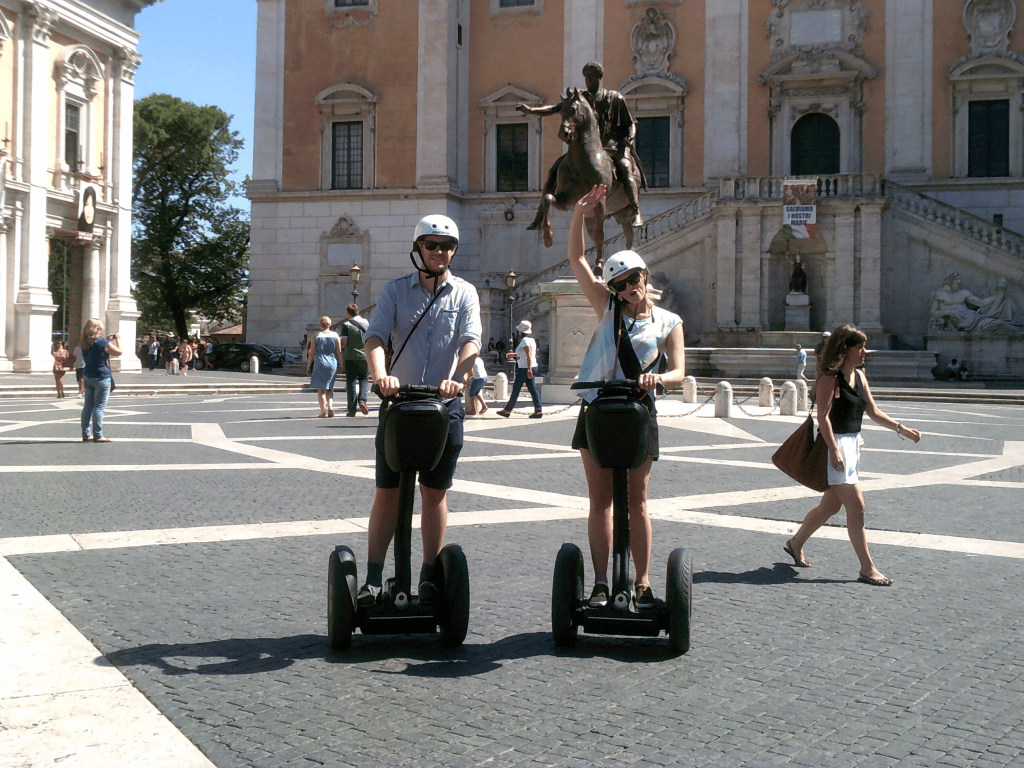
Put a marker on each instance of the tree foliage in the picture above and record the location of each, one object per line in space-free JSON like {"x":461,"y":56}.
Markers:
{"x":190,"y":248}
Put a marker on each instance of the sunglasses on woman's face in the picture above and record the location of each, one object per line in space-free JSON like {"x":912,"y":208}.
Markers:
{"x":433,"y":245}
{"x":620,"y":285}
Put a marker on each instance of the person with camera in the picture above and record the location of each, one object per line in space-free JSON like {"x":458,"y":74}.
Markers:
{"x":96,"y":378}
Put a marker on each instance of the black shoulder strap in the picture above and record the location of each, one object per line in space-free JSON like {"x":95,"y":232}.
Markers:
{"x":423,"y":314}
{"x":628,"y":360}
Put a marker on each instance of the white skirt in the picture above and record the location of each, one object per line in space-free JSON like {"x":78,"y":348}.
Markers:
{"x":849,"y":449}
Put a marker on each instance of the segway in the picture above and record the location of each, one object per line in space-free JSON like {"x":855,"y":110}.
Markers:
{"x":415,"y":432}
{"x":618,"y":428}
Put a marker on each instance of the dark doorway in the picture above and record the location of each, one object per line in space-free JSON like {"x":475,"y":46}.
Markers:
{"x":814,"y":147}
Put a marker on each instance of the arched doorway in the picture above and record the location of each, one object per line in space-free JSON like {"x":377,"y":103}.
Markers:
{"x":814,"y":148}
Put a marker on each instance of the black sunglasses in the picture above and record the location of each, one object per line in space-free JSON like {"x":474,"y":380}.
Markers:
{"x":620,"y":285}
{"x":433,"y":245}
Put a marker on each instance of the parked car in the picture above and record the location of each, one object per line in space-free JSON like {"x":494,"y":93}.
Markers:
{"x":234,"y":355}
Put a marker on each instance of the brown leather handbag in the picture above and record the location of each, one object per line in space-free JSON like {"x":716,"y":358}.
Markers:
{"x":804,"y":457}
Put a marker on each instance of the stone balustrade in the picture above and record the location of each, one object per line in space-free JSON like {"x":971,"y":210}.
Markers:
{"x":837,"y":185}
{"x":973,"y":227}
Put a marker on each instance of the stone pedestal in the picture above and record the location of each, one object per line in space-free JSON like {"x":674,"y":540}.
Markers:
{"x":798,"y":312}
{"x":572,"y":323}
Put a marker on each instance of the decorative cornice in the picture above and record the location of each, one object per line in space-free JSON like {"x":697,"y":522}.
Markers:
{"x":126,"y":62}
{"x":42,"y":18}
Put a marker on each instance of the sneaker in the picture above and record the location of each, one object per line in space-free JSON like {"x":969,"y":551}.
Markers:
{"x":367,"y":595}
{"x":428,"y":594}
{"x":644,"y":597}
{"x":599,"y":596}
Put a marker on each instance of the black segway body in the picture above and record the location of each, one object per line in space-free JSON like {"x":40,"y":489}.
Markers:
{"x":415,"y":433}
{"x":618,"y":435}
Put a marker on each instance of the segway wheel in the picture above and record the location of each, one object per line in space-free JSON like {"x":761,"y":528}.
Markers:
{"x":566,"y":594}
{"x":453,"y":614}
{"x":678,"y":599}
{"x":341,"y":598}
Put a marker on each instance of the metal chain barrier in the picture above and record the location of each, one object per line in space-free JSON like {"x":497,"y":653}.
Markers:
{"x":775,"y":406}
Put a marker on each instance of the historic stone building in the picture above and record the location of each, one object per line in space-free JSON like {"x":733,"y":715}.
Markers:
{"x":906,"y":113}
{"x":66,"y":96}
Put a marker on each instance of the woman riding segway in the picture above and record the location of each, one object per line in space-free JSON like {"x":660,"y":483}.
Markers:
{"x":631,"y":338}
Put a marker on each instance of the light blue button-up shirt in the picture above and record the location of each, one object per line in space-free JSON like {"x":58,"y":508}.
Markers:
{"x":432,"y":353}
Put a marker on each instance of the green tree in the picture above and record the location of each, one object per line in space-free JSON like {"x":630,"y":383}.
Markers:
{"x":190,"y":248}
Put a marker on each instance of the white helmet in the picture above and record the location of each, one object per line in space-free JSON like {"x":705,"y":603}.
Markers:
{"x":621,"y":263}
{"x":436,"y":224}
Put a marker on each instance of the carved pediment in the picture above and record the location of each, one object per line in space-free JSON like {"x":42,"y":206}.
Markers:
{"x":653,"y":39}
{"x":818,"y":63}
{"x":345,"y":92}
{"x":988,"y":65}
{"x":345,"y":227}
{"x":509,"y":96}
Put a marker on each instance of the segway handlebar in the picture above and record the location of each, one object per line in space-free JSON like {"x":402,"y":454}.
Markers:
{"x":603,"y":384}
{"x":412,"y":389}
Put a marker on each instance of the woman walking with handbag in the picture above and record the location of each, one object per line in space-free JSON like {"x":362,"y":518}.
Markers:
{"x":842,"y":397}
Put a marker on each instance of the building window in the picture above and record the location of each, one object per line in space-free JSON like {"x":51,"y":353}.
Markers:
{"x":503,"y":9}
{"x":514,"y":3}
{"x":349,"y":3}
{"x":348,"y":113}
{"x":347,"y":155}
{"x":72,"y":135}
{"x":653,"y":149}
{"x":814,"y":145}
{"x":513,"y":157}
{"x":988,"y":138}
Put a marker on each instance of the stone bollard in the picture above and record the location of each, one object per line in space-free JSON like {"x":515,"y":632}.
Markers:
{"x":689,"y":390}
{"x":254,"y":364}
{"x":803,"y":402}
{"x":787,"y":403}
{"x":501,"y":388}
{"x":723,"y":400}
{"x":766,"y":393}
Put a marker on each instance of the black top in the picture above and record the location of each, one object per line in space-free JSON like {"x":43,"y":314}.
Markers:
{"x":847,"y":409}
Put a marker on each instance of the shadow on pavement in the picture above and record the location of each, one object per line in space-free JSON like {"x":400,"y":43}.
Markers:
{"x":780,"y":573}
{"x":424,"y":654}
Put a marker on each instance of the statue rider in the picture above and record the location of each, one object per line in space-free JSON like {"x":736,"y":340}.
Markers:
{"x":618,"y":133}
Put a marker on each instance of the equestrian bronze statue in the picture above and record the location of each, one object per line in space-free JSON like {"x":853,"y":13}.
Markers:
{"x":600,"y":132}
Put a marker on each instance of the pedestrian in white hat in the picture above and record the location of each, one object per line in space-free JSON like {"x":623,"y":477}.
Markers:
{"x":526,"y":370}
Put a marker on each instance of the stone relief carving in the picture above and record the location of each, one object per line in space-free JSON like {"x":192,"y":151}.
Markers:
{"x":954,"y":308}
{"x":989,"y":24}
{"x":814,"y":26}
{"x":652,"y":41}
{"x":126,"y":62}
{"x":345,"y":227}
{"x":42,"y":20}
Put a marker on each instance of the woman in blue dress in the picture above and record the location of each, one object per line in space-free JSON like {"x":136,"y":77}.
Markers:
{"x":323,"y":363}
{"x":96,"y":378}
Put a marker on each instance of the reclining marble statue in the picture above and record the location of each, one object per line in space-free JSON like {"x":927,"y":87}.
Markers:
{"x":955,"y":308}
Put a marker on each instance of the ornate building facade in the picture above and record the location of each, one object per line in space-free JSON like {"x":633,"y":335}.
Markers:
{"x":66,"y":98}
{"x":907,"y":113}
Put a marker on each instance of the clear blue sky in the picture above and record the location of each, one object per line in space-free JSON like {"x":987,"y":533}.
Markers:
{"x":203,"y":51}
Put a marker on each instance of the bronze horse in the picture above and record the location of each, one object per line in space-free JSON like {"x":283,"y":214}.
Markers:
{"x":585,"y":164}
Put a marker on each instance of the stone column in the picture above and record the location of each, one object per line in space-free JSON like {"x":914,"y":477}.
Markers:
{"x":584,"y":39}
{"x":750,"y":268}
{"x":572,"y":322}
{"x":438,"y":110}
{"x":869,"y":317}
{"x":118,"y":305}
{"x":268,"y":135}
{"x":840,"y":305}
{"x":908,"y":88}
{"x":725,"y":279}
{"x":34,"y":306}
{"x":91,"y":280}
{"x":726,"y":84}
{"x":5,"y":311}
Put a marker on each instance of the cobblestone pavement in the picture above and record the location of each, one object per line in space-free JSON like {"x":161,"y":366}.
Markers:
{"x":187,"y":565}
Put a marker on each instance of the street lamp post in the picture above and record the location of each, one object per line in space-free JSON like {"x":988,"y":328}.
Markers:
{"x":355,"y":272}
{"x":510,"y":281}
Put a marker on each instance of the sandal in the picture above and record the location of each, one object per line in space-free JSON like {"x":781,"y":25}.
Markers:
{"x":884,"y":581}
{"x":799,"y":562}
{"x":504,"y":413}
